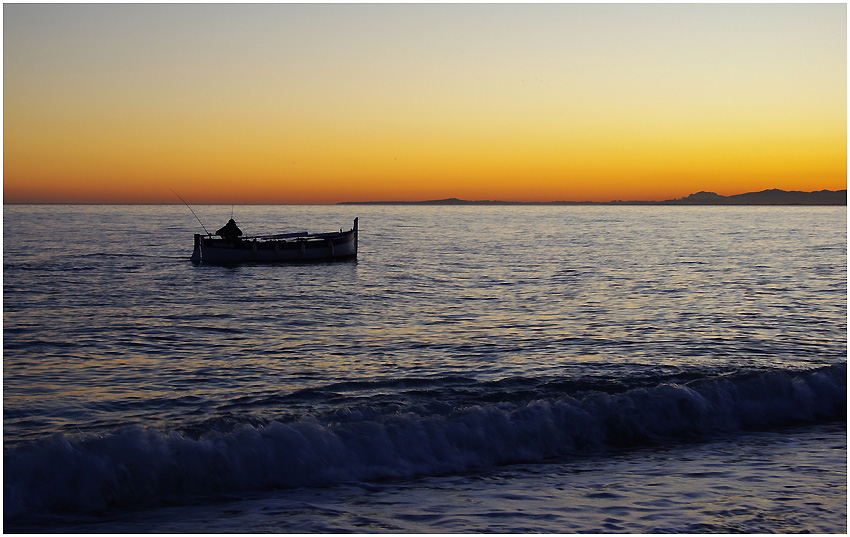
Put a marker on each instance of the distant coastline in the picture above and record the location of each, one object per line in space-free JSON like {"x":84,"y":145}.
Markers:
{"x":765,"y":197}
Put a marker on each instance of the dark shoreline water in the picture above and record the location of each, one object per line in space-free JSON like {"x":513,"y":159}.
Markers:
{"x":704,"y":486}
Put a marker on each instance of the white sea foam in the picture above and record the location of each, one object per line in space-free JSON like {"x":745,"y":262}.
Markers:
{"x":139,"y":466}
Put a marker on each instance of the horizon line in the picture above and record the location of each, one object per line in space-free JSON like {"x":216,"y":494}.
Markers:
{"x":445,"y":201}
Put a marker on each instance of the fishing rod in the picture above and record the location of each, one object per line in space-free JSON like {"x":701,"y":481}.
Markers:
{"x":193,"y":212}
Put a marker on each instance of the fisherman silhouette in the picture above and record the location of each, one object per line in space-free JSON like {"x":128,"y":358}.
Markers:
{"x":230,"y":231}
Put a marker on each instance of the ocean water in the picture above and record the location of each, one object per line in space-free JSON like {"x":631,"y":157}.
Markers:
{"x":502,"y":369}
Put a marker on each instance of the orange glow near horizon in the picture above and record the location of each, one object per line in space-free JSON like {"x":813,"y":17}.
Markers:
{"x":330,"y":103}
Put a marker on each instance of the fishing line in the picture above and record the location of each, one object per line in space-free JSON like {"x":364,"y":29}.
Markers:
{"x":193,"y":212}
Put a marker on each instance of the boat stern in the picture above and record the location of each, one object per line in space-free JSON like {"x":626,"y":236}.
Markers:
{"x":196,"y":254}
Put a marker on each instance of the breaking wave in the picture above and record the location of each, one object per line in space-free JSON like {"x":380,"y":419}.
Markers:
{"x":143,"y":466}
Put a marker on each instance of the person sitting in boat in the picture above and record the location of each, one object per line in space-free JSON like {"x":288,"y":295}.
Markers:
{"x":230,"y":231}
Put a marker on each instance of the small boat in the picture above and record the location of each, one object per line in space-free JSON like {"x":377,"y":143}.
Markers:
{"x":232,"y":248}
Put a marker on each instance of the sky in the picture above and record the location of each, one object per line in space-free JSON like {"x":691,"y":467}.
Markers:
{"x":322,"y":103}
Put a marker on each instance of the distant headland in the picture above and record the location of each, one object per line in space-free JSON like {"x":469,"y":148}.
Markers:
{"x":765,"y":197}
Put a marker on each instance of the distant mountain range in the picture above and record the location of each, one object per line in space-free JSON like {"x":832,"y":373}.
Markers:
{"x":765,"y":197}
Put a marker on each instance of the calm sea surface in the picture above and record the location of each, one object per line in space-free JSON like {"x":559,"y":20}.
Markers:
{"x":505,"y":369}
